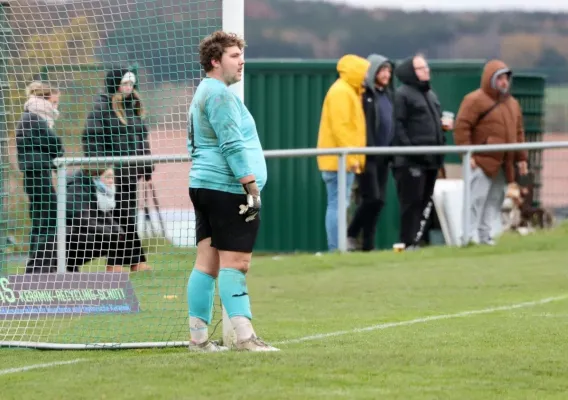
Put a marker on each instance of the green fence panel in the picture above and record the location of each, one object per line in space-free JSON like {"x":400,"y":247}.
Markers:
{"x":285,"y":99}
{"x":529,"y":90}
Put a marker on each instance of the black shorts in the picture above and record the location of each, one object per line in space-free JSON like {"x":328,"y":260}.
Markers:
{"x":217,"y":216}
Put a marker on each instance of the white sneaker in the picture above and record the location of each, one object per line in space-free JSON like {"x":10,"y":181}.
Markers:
{"x":206,"y":347}
{"x":254,"y":344}
{"x":351,"y":244}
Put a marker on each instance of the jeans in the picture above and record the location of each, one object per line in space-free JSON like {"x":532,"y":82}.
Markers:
{"x":330,"y":179}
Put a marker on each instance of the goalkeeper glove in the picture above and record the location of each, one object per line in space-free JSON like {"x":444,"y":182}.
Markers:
{"x":252,"y":208}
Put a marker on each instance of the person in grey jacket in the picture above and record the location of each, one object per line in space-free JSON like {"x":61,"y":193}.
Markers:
{"x":372,"y":182}
{"x":37,"y":146}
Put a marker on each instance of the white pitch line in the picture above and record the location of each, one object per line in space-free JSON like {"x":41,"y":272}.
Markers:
{"x":38,"y":366}
{"x":423,"y":320}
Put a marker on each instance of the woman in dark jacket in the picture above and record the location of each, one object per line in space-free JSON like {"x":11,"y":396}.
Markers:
{"x":115,"y":127}
{"x":37,"y":146}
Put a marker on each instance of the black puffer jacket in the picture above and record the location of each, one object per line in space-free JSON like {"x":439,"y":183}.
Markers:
{"x":37,"y":145}
{"x":115,"y":126}
{"x":418,"y":118}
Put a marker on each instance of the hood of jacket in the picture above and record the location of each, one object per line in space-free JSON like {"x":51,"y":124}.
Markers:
{"x":353,"y":70}
{"x":491,"y":71}
{"x":113,"y":78}
{"x":376,"y":61}
{"x":406,"y":73}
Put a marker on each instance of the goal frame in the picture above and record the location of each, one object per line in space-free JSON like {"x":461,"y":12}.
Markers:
{"x":232,"y":21}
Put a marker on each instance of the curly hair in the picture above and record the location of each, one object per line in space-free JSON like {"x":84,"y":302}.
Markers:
{"x":213,"y":46}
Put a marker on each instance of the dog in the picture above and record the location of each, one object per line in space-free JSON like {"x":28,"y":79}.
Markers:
{"x":519,"y":214}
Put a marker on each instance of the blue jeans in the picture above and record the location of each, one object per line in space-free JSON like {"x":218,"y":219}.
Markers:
{"x":330,"y":179}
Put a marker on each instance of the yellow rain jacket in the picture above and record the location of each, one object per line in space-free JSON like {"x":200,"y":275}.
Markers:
{"x":342,"y":121}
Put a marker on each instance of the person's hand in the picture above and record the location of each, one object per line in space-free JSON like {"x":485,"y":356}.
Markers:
{"x":447,"y":124}
{"x":472,"y":163}
{"x":523,"y":167}
{"x":356,"y":168}
{"x":252,"y":208}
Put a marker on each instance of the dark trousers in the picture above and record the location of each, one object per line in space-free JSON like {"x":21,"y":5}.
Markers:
{"x":42,"y":207}
{"x":414,"y":186}
{"x":126,"y":213}
{"x":372,"y":184}
{"x":82,"y":245}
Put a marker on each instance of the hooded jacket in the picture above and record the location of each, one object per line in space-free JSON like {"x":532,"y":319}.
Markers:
{"x":342,"y":121}
{"x":418,"y":118}
{"x":376,"y":103}
{"x":503,"y":124}
{"x":115,"y":126}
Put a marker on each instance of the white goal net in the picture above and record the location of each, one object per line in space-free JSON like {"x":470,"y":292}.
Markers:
{"x":98,"y":255}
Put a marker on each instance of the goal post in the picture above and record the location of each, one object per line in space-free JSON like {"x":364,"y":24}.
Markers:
{"x":233,"y":21}
{"x":4,"y":139}
{"x":49,"y":299}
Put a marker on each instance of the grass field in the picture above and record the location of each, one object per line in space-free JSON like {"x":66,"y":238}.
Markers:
{"x":442,"y":323}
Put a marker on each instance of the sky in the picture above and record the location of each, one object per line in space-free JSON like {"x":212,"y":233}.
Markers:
{"x":463,"y":5}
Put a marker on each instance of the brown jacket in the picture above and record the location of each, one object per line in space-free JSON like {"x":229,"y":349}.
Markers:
{"x":504,"y":124}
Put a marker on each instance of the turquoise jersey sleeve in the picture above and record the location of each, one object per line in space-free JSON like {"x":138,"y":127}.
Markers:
{"x":225,"y":118}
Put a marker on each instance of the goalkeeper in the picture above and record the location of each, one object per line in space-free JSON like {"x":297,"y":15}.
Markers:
{"x":227,"y":175}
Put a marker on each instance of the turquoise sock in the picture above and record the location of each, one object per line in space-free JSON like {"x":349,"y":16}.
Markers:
{"x":200,"y":295}
{"x":234,"y":293}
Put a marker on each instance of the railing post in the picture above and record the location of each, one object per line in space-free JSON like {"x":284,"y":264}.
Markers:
{"x":342,"y":203}
{"x":61,"y":218}
{"x":466,"y":197}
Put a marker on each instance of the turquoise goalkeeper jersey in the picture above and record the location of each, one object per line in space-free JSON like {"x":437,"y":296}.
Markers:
{"x":222,"y":140}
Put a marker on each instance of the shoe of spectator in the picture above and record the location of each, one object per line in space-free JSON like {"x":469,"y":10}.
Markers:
{"x":114,"y":268}
{"x":140,"y":267}
{"x":351,"y":244}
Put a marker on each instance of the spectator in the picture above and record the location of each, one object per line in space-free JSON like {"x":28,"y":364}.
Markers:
{"x":37,"y":146}
{"x":418,"y":123}
{"x":372,"y":182}
{"x":342,"y":125}
{"x":92,"y":232}
{"x":115,"y":127}
{"x":490,"y":115}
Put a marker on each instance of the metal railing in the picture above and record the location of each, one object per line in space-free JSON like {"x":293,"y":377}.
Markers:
{"x":64,"y":163}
